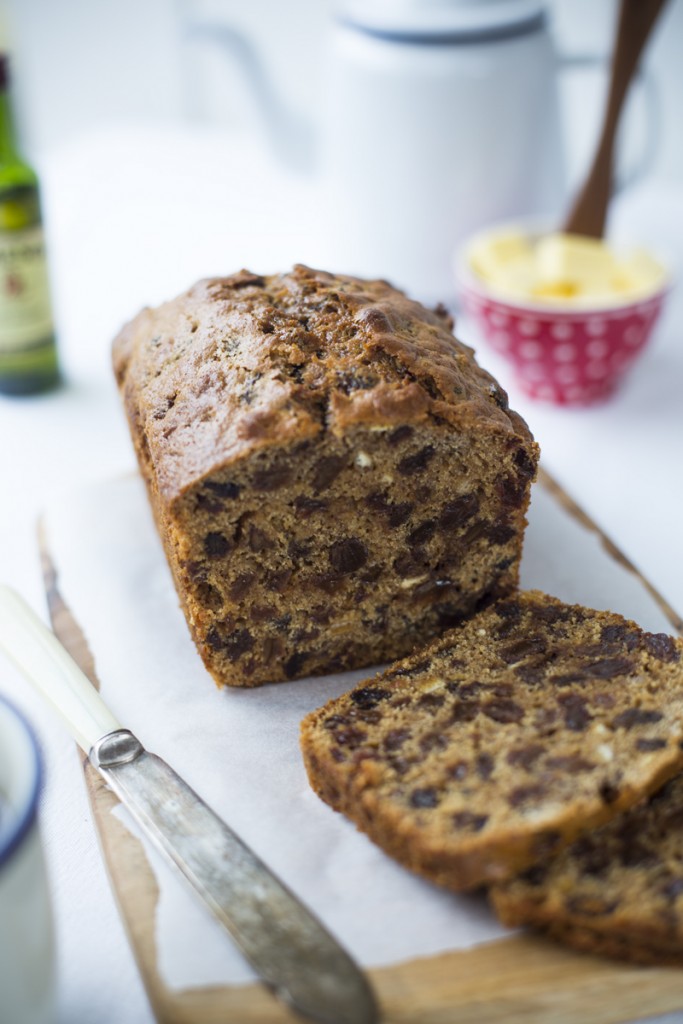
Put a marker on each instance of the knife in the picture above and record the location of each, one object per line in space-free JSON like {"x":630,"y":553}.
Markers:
{"x":287,"y":946}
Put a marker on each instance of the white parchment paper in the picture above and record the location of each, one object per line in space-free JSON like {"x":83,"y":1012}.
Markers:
{"x":239,"y":748}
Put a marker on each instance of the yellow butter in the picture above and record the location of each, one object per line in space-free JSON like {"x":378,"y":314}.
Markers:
{"x":563,"y":269}
{"x":572,"y":260}
{"x":496,"y":255}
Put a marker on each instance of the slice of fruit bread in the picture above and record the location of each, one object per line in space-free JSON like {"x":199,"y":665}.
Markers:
{"x":503,"y":741}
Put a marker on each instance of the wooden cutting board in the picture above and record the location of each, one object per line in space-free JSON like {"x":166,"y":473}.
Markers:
{"x":520,"y":979}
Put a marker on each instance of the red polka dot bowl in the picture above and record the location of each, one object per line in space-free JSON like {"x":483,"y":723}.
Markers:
{"x":569,"y":356}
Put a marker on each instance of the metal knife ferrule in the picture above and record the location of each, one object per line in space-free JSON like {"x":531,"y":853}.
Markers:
{"x":114,"y":749}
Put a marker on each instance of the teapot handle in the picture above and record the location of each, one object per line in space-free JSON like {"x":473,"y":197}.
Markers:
{"x":626,"y":178}
{"x":291,"y":136}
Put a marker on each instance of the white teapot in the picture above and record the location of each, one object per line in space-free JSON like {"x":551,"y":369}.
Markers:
{"x":440,"y":116}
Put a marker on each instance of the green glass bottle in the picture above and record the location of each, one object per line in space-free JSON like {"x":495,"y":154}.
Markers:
{"x":28,"y":352}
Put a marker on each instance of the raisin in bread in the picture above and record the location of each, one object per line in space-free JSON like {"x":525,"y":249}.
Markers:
{"x":333,"y":476}
{"x":617,"y":891}
{"x":504,"y":740}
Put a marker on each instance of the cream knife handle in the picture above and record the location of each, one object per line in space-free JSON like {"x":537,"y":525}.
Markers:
{"x":39,"y":655}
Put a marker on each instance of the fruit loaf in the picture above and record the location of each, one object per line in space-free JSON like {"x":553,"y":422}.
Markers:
{"x":334,"y":478}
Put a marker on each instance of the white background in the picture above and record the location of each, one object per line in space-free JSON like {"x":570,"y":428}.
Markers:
{"x":105,"y":90}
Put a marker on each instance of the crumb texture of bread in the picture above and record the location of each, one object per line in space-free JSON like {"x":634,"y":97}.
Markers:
{"x":334,"y":478}
{"x":616,"y":891}
{"x":505,"y":740}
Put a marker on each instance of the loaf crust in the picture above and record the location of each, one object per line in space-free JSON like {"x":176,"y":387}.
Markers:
{"x":617,"y":891}
{"x":333,"y":477}
{"x":505,"y":740}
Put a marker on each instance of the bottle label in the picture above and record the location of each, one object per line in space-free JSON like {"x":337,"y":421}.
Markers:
{"x":25,"y":310}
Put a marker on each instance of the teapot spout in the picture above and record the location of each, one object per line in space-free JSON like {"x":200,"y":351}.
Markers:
{"x":291,"y":136}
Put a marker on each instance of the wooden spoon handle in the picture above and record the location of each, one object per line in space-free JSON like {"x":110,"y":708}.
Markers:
{"x":636,"y":20}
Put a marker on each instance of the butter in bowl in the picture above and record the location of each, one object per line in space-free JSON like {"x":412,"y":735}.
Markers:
{"x":571,"y":314}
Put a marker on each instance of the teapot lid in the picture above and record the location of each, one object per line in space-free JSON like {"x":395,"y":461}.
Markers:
{"x":434,"y":19}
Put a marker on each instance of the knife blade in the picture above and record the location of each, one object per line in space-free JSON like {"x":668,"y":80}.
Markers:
{"x":288,"y":947}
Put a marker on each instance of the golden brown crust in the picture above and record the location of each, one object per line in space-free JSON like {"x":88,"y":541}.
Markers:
{"x":504,"y":740}
{"x":620,"y":946}
{"x":249,"y":361}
